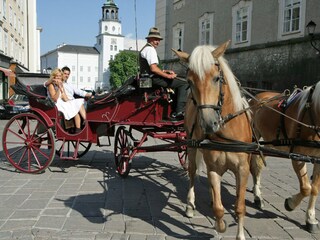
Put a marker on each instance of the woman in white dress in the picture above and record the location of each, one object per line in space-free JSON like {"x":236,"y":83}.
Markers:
{"x":70,"y":108}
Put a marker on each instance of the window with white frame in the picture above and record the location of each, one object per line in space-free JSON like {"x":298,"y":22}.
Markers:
{"x":6,"y":43}
{"x":241,"y":24}
{"x":206,"y":29}
{"x":4,"y":8}
{"x":178,"y":36}
{"x":291,"y":18}
{"x":291,"y":15}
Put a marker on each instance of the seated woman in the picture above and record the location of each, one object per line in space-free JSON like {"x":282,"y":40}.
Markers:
{"x":69,"y":108}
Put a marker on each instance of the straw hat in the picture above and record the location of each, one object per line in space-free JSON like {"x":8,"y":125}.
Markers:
{"x":154,"y":33}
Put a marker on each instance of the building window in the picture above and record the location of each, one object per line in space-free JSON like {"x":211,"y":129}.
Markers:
{"x":111,"y":57}
{"x":81,"y":68}
{"x":206,"y":29}
{"x":4,"y":8}
{"x":89,"y":79}
{"x":291,"y":15}
{"x":81,"y":79}
{"x":89,"y":69}
{"x":178,"y":35}
{"x":115,"y":48}
{"x":241,"y":24}
{"x":111,"y":48}
{"x":291,"y":18}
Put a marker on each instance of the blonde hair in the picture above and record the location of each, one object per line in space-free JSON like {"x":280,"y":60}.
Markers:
{"x":55,"y":72}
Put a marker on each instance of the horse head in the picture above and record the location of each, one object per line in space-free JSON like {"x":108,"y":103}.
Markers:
{"x":206,"y":80}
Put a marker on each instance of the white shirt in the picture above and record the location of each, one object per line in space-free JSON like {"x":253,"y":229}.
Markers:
{"x":150,"y":54}
{"x":70,"y":91}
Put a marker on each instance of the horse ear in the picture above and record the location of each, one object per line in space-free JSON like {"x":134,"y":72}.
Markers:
{"x":219,"y":51}
{"x":182,"y":55}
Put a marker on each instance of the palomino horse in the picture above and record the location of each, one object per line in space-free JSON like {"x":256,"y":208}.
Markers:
{"x":215,"y":94}
{"x":299,"y":124}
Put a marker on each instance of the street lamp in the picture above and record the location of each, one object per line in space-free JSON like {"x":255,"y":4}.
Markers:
{"x":311,"y":27}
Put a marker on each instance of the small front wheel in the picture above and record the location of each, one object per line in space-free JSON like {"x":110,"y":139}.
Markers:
{"x":122,"y":150}
{"x":28,"y":144}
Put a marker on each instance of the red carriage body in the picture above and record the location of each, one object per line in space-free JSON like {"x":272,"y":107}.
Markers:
{"x":30,"y":140}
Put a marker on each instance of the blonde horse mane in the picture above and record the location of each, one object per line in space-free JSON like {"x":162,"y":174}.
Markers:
{"x":201,"y":61}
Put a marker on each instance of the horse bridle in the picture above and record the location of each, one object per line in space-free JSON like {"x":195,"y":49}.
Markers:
{"x":217,"y":108}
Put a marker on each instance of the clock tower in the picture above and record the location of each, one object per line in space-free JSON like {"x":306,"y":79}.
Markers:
{"x":109,"y":41}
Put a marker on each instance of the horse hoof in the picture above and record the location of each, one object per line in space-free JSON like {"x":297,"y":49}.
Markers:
{"x":286,"y":205}
{"x":221,"y":226}
{"x":190,"y":212}
{"x":259,"y":203}
{"x":312,"y":228}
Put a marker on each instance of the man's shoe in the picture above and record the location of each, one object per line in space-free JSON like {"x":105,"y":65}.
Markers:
{"x":177,"y":116}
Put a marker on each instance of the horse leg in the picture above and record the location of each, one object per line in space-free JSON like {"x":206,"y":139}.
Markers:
{"x":218,"y":209}
{"x":300,"y":169}
{"x":311,"y":221}
{"x":192,"y":168}
{"x":256,"y":166}
{"x":240,"y":207}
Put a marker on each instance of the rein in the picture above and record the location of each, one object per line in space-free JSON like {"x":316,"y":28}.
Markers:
{"x":262,"y":103}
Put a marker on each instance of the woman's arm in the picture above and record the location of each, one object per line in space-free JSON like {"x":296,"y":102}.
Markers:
{"x":54,"y":94}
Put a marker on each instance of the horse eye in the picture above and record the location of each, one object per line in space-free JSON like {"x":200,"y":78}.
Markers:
{"x":216,"y":78}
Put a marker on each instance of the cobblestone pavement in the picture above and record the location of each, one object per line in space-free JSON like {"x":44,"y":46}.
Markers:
{"x":86,"y":199}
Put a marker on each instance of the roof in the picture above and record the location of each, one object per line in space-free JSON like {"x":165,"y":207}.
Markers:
{"x":110,"y":3}
{"x":77,"y":49}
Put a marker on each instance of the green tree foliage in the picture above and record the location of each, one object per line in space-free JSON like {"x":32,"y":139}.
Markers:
{"x":124,"y":65}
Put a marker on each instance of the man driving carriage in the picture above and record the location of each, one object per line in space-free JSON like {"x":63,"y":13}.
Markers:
{"x":149,"y":64}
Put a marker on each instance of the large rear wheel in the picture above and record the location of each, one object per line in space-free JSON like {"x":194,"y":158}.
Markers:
{"x":28,"y":144}
{"x":71,"y":149}
{"x":122,"y":150}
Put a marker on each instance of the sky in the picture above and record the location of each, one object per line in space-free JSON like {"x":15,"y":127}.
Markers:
{"x":76,"y":22}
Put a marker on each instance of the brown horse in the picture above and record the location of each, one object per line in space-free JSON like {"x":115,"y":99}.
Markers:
{"x":215,"y":94}
{"x":301,"y":114}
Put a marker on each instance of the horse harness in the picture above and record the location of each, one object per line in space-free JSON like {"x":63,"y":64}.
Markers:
{"x":297,"y":141}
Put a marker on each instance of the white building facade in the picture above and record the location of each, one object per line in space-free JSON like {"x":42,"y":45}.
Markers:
{"x":19,"y":40}
{"x":19,"y":35}
{"x":83,"y":62}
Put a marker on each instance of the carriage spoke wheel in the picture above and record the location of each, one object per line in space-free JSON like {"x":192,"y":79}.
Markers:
{"x":28,"y":144}
{"x":69,"y":147}
{"x":122,"y":150}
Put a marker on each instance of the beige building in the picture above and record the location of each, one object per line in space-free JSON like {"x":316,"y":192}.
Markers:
{"x":19,"y":39}
{"x":270,"y":46}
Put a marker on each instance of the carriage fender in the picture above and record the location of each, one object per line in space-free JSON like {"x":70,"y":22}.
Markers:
{"x":44,"y":116}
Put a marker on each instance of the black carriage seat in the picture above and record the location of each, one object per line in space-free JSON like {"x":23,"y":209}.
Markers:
{"x":36,"y":92}
{"x":126,"y":89}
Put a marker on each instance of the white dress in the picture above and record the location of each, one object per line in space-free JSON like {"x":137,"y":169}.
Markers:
{"x":69,"y":108}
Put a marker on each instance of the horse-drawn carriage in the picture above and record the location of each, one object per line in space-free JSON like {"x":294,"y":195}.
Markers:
{"x":219,"y":125}
{"x":31,"y":140}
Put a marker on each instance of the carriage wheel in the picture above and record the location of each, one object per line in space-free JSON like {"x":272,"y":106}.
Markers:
{"x":28,"y":143}
{"x":69,"y":148}
{"x":122,"y":149}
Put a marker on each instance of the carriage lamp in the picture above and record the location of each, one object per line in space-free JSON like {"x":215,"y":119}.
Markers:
{"x":311,"y":27}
